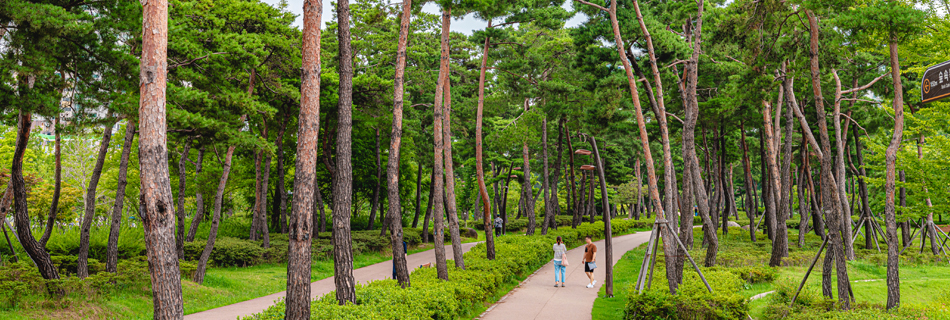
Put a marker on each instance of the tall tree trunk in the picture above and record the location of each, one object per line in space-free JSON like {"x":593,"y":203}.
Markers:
{"x":415,"y":219}
{"x":767,"y":202}
{"x":479,"y":171}
{"x":425,"y":221}
{"x":528,"y":199}
{"x":803,"y":195}
{"x":890,"y":155}
{"x":751,"y":208}
{"x":216,"y":215}
{"x":450,"y":206}
{"x":21,"y":218}
{"x":89,"y":212}
{"x":156,"y":194}
{"x":199,"y":198}
{"x":392,"y":166}
{"x":300,"y":233}
{"x":375,"y":206}
{"x":343,"y":183}
{"x":265,"y":180}
{"x":573,"y":183}
{"x":548,"y":209}
{"x":180,"y":204}
{"x":608,"y":238}
{"x":639,"y":208}
{"x":828,"y":186}
{"x":280,"y":195}
{"x":58,"y":183}
{"x":689,"y":129}
{"x":905,"y":226}
{"x":863,"y":190}
{"x":555,"y":180}
{"x":785,"y":204}
{"x":437,"y":197}
{"x":256,"y":211}
{"x":112,"y":248}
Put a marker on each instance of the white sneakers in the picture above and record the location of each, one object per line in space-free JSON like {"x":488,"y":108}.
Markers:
{"x":592,"y":284}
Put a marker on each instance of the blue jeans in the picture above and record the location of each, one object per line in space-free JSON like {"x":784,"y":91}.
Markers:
{"x":559,"y":268}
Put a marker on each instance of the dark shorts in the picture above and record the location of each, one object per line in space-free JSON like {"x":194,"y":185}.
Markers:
{"x":587,"y":267}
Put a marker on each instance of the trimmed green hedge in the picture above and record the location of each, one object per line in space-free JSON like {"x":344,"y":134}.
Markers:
{"x":466,"y":290}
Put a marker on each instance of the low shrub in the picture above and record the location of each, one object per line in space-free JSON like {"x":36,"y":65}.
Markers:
{"x":227,"y":252}
{"x":692,"y":300}
{"x":466,"y":290}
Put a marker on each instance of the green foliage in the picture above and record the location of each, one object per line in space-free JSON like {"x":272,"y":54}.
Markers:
{"x":692,"y":301}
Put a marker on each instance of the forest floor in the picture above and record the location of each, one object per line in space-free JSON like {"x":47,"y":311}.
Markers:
{"x":925,"y":279}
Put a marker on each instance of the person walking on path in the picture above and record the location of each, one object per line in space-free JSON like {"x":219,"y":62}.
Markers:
{"x":499,"y":223}
{"x":590,"y":254}
{"x":560,"y":250}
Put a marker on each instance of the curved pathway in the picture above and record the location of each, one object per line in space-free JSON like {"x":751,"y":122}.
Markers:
{"x":379,"y":271}
{"x":537,"y":298}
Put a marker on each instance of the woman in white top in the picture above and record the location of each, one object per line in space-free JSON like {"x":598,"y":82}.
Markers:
{"x":559,"y":251}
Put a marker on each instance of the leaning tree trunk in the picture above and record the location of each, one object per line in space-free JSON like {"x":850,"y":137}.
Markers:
{"x":573,"y":183}
{"x":450,"y":206}
{"x":180,"y":204}
{"x":300,"y":233}
{"x":216,"y":215}
{"x":82,"y":261}
{"x":608,"y":238}
{"x":415,"y":219}
{"x":392,"y":167}
{"x":375,"y":205}
{"x":58,"y":183}
{"x":21,"y":218}
{"x":890,"y":221}
{"x":199,"y":198}
{"x":479,"y":171}
{"x":343,"y":182}
{"x":112,"y":249}
{"x":689,"y":141}
{"x":155,"y":202}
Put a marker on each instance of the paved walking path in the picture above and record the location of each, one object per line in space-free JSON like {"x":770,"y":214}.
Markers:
{"x":537,"y":298}
{"x":379,"y":271}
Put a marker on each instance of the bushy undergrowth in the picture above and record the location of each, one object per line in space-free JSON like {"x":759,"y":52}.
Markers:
{"x":466,"y":290}
{"x":692,"y":299}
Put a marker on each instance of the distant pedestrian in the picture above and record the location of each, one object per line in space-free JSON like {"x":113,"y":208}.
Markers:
{"x":560,"y":261}
{"x":499,"y":223}
{"x":590,"y":255}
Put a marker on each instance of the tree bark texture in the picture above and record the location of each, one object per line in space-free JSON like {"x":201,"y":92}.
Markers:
{"x":750,"y":207}
{"x":343,"y":181}
{"x":156,"y":194}
{"x":608,"y":238}
{"x":479,"y":171}
{"x":21,"y":217}
{"x":831,"y":203}
{"x":371,"y":222}
{"x":548,"y":209}
{"x":438,"y":171}
{"x":890,"y":155}
{"x":112,"y":248}
{"x":392,"y":166}
{"x":300,"y":224}
{"x":451,"y":209}
{"x":89,"y":211}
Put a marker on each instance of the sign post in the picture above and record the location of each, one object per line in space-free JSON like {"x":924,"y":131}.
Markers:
{"x":936,"y":83}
